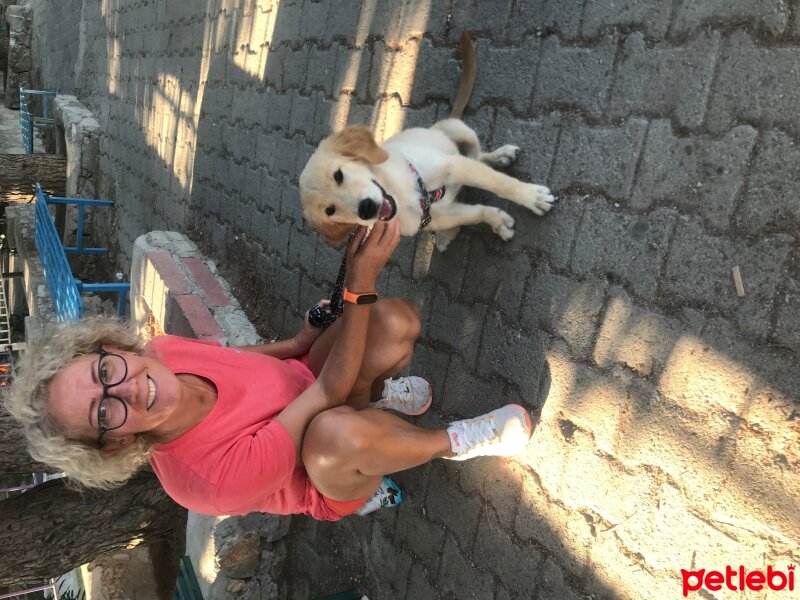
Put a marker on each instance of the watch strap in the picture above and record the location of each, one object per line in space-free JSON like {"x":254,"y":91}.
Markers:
{"x":359,"y":298}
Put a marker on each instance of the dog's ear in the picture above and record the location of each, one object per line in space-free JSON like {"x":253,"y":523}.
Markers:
{"x":358,"y":142}
{"x":334,"y":233}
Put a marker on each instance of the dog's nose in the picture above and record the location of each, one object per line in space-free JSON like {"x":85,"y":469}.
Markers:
{"x":367,"y":209}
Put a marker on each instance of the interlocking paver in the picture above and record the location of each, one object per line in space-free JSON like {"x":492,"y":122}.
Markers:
{"x":678,"y":83}
{"x":768,"y":72}
{"x":631,"y":248}
{"x":575,"y":76}
{"x":599,"y":157}
{"x":700,"y":175}
{"x":771,"y":199}
{"x":771,"y":15}
{"x":651,"y":15}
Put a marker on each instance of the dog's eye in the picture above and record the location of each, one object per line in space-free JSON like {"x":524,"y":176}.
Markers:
{"x":339,"y":177}
{"x":331,"y":209}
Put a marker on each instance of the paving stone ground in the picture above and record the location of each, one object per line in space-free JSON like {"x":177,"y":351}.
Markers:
{"x":667,"y":406}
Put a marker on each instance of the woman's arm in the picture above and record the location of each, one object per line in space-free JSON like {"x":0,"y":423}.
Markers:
{"x":335,"y":382}
{"x":280,"y":349}
{"x":297,"y":346}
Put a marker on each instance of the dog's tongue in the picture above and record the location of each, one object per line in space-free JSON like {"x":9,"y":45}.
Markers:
{"x":386,"y":209}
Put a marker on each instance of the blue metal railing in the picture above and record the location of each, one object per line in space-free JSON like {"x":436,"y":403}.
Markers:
{"x":186,"y":587}
{"x":28,"y":121}
{"x":81,"y":203}
{"x":66,"y":289}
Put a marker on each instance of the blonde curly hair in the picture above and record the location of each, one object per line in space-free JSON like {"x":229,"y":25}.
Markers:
{"x":28,"y":396}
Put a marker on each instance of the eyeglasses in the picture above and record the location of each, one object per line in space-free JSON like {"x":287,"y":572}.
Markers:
{"x":112,"y":412}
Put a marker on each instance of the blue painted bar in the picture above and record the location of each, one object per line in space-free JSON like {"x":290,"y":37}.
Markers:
{"x":64,"y":288}
{"x":28,"y":121}
{"x":79,"y":201}
{"x":76,"y":250}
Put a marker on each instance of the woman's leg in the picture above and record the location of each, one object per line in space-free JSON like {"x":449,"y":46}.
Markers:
{"x":393,"y":329}
{"x":347,"y":452}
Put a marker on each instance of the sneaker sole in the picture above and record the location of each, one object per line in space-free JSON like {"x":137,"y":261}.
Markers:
{"x":528,"y":428}
{"x":424,"y":408}
{"x":412,"y":414}
{"x":528,"y":423}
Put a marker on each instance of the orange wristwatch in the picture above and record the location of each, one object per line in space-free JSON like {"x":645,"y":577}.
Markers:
{"x":365,"y":298}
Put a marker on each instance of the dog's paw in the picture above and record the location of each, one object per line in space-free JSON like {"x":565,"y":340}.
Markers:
{"x":502,"y":224}
{"x":502,"y":157}
{"x":538,"y":198}
{"x":445,"y":236}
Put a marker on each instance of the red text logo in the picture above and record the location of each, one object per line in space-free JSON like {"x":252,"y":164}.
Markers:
{"x":738,"y":579}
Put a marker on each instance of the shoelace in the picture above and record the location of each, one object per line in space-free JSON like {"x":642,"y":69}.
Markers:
{"x":476,"y":432}
{"x":399,"y":389}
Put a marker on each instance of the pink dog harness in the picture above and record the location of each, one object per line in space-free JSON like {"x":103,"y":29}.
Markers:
{"x":426,"y":198}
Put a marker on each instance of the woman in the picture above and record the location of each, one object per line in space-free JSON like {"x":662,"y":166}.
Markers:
{"x":284,"y":428}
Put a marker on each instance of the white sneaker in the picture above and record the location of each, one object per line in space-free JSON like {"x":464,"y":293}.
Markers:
{"x":502,"y":432}
{"x":408,"y":395}
{"x":388,"y":494}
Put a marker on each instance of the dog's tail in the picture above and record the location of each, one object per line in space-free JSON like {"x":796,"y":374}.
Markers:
{"x":467,"y":78}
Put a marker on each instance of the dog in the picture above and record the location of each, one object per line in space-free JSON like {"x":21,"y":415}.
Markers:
{"x":414,"y":176}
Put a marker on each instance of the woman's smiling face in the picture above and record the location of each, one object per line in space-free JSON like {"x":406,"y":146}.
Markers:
{"x":150,"y":392}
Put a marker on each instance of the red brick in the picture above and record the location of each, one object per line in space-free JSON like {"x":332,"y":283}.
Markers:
{"x":207,"y":282}
{"x":163,"y":263}
{"x":190,"y":317}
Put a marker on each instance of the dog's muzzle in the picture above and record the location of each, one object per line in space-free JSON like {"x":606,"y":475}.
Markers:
{"x":387,"y":209}
{"x":367,"y":209}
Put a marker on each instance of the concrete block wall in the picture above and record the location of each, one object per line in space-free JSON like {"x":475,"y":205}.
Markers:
{"x":18,"y":20}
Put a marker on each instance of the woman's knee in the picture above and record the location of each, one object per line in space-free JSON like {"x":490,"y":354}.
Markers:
{"x":334,"y":437}
{"x":397,"y":320}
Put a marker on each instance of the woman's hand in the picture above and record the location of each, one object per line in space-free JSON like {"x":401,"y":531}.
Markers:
{"x":304,"y":338}
{"x":366,"y":257}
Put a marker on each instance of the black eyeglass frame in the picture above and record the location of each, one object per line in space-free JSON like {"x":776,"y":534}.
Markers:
{"x":106,"y":395}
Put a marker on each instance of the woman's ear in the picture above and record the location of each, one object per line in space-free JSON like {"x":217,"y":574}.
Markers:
{"x":358,"y":142}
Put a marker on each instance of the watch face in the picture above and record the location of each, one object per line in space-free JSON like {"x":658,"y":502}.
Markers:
{"x":367,"y":298}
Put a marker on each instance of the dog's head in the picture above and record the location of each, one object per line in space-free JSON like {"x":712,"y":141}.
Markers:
{"x":338,"y":188}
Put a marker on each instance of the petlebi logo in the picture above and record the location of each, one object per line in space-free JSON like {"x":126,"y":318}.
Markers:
{"x":739,"y":579}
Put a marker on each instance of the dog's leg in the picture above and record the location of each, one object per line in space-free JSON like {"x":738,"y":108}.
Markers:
{"x":461,"y":135}
{"x":500,"y":158}
{"x":453,"y":215}
{"x":464,"y":171}
{"x":445,"y":236}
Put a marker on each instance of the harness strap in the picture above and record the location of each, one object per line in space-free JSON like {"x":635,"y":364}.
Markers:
{"x":426,"y":198}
